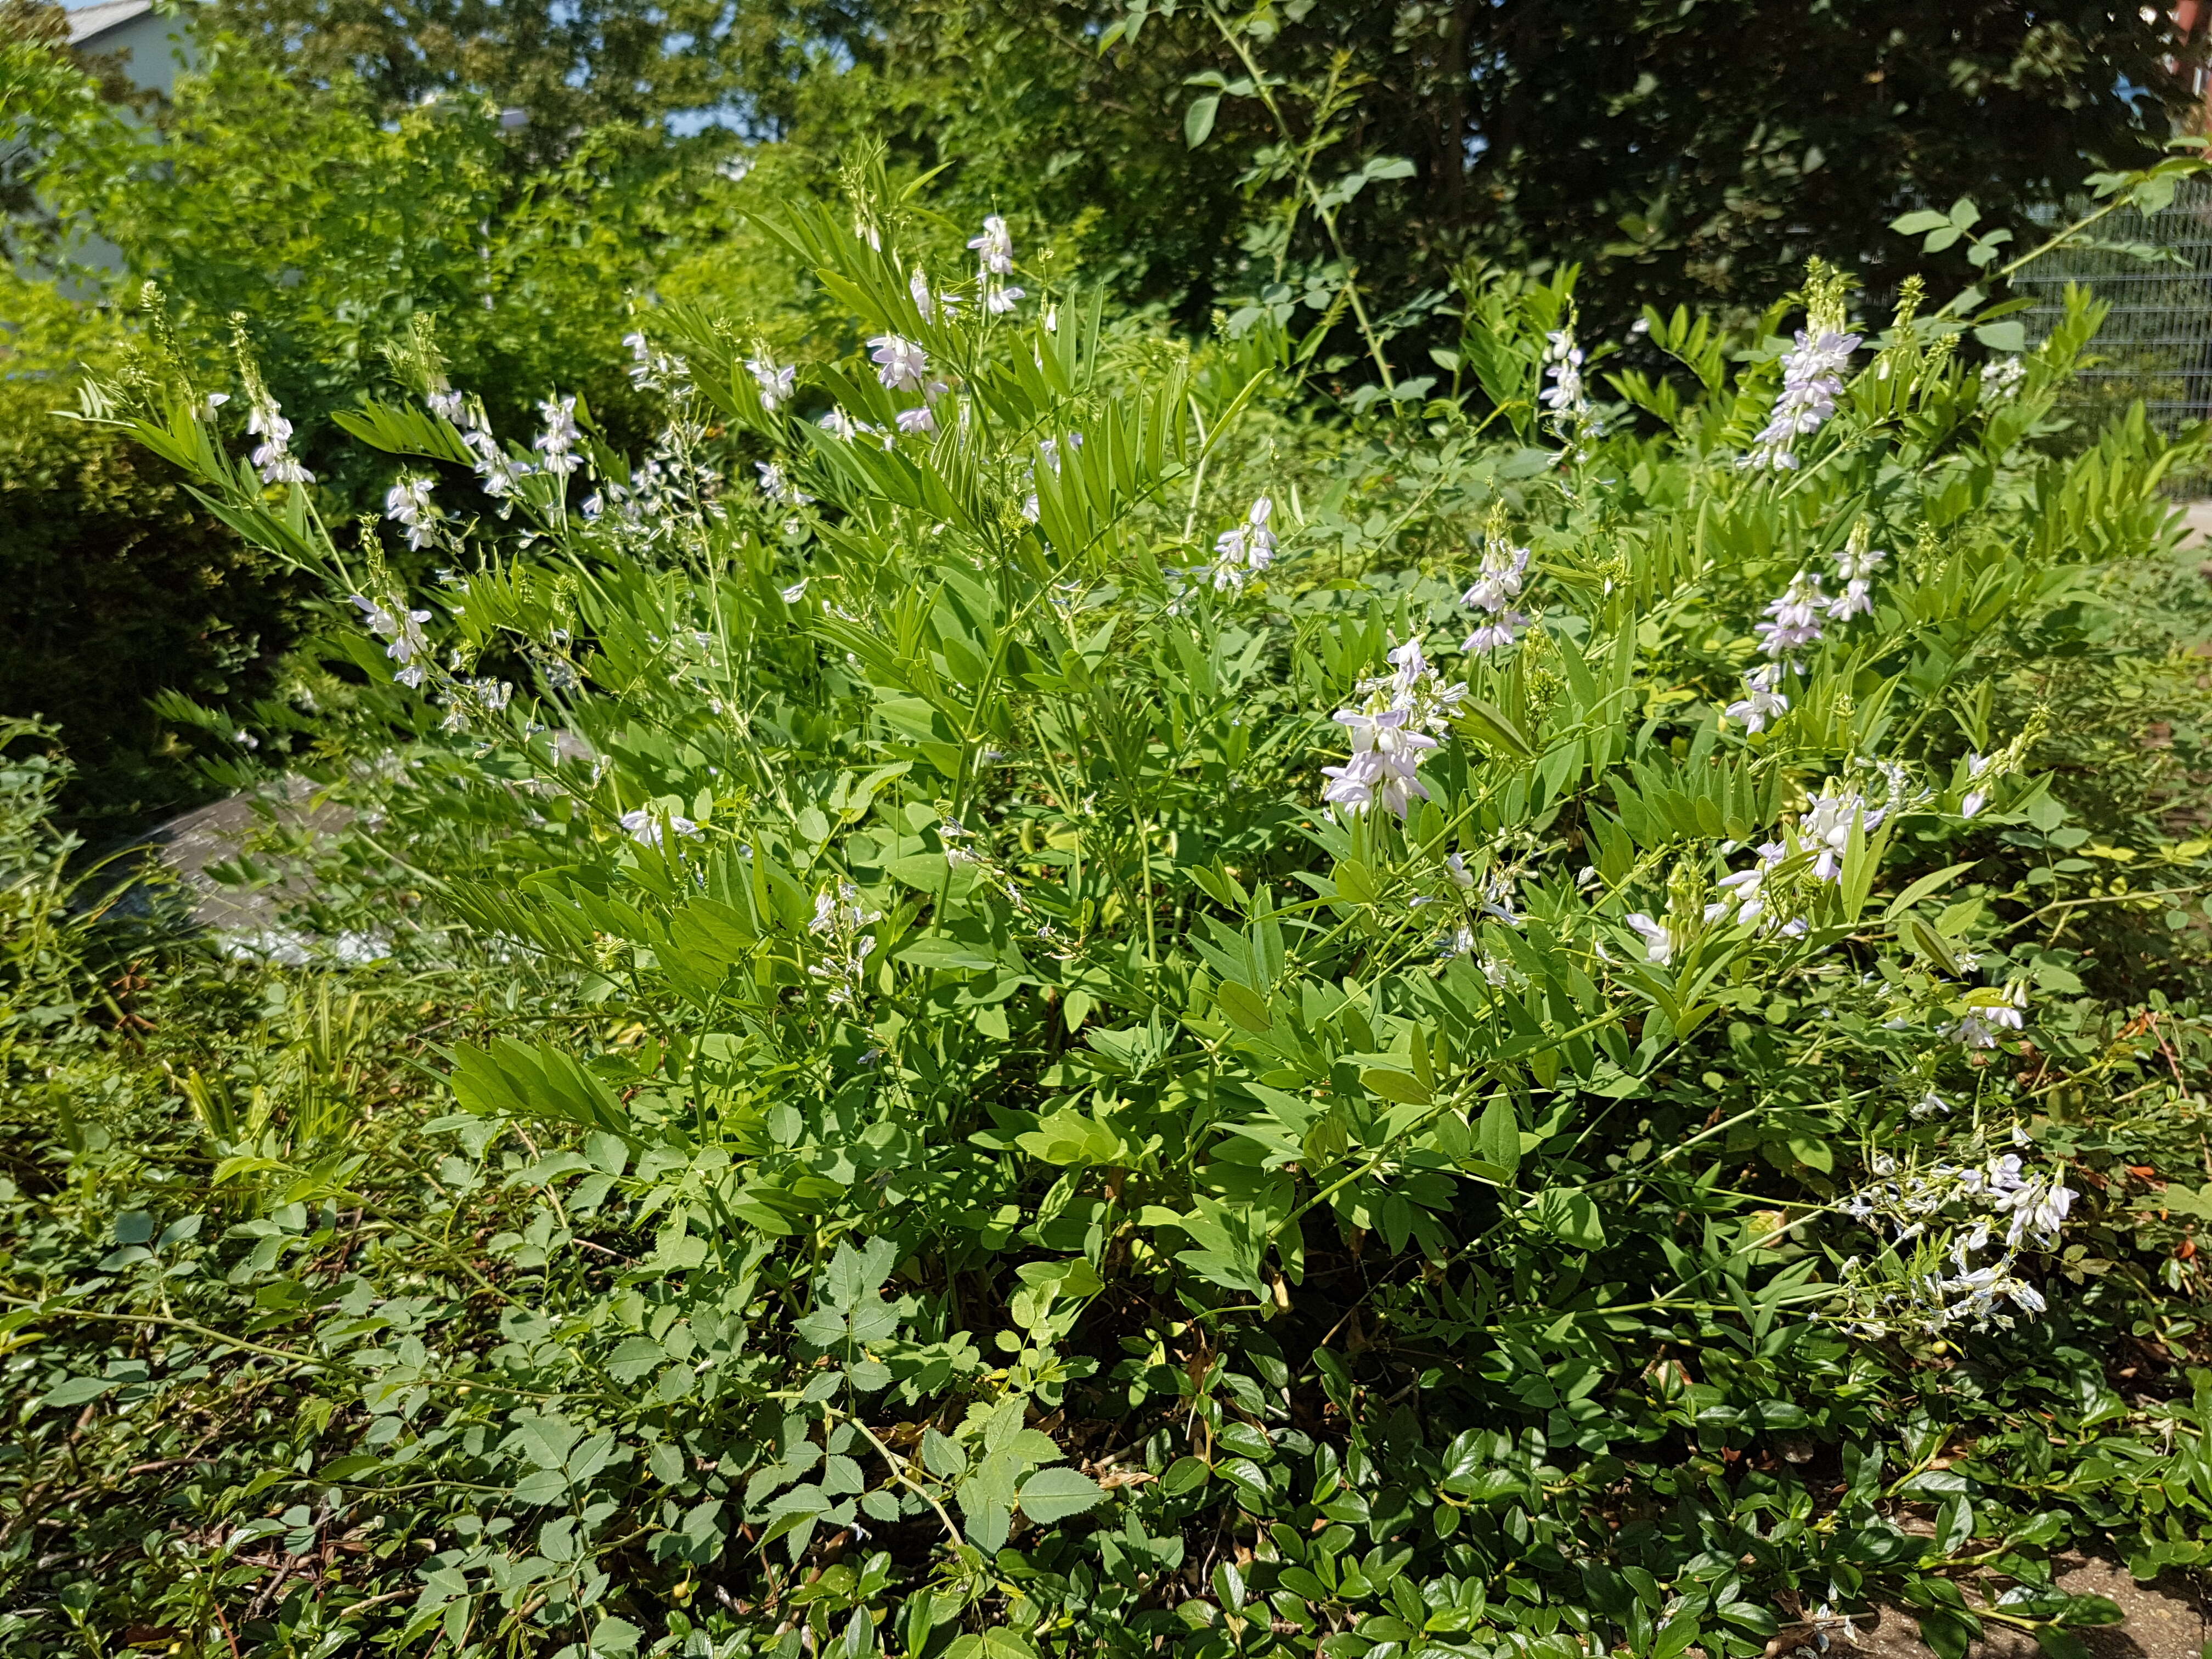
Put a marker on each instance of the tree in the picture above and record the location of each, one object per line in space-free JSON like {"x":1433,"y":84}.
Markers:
{"x":570,"y":65}
{"x":1699,"y":152}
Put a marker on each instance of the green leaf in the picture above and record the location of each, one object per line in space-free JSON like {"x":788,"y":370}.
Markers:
{"x":615,"y":1635}
{"x":1676,"y":1635}
{"x":1055,"y":1494}
{"x":1396,"y":1086}
{"x":1921,"y":889}
{"x":1243,"y":1005}
{"x":1198,"y":119}
{"x":1490,"y":726}
{"x":1184,"y":1474}
{"x":635,"y":1359}
{"x":942,"y":1456}
{"x":1919,"y":222}
{"x":1498,"y":1135}
{"x":79,"y":1389}
{"x":1570,"y":1214}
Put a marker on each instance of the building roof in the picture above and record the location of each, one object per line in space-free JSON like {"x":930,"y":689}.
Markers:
{"x":89,"y":23}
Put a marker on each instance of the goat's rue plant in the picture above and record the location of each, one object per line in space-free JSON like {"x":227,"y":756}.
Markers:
{"x":1126,"y":1081}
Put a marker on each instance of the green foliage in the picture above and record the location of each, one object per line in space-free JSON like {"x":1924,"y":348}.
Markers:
{"x":1680,"y":155}
{"x":892,"y":1106}
{"x":119,"y":587}
{"x":1324,"y":170}
{"x":295,"y":223}
{"x":567,"y":69}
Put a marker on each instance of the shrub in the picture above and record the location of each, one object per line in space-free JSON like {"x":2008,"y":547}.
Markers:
{"x":1503,"y":1055}
{"x":120,"y":587}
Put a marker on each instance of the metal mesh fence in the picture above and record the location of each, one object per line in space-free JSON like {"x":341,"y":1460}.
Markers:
{"x":2156,"y":345}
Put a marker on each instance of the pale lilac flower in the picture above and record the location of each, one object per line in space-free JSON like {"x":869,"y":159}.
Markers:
{"x":272,"y":455}
{"x":403,"y":629}
{"x":999,"y":298}
{"x":1746,"y":889}
{"x":1858,"y":562}
{"x":775,"y":382}
{"x":838,"y":424}
{"x":1384,"y":754}
{"x":2002,"y":378}
{"x":1827,"y":826}
{"x":923,"y":419}
{"x":1244,"y":551}
{"x":994,"y":246}
{"x":1658,"y":942}
{"x":1980,"y":1026}
{"x":646,"y":827}
{"x":1563,"y":368}
{"x":408,"y":504}
{"x":1976,"y":799}
{"x":561,"y":436}
{"x":651,"y":370}
{"x":1812,"y":380}
{"x":497,"y":471}
{"x":1763,"y":699}
{"x":1497,"y":899}
{"x":1793,"y":619}
{"x":1505,"y":569}
{"x":797,"y":591}
{"x":899,"y":363}
{"x":1500,"y":631}
{"x":778,"y":488}
{"x":1853,"y":601}
{"x":917,"y":284}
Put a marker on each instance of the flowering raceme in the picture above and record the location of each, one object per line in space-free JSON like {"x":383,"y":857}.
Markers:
{"x":1763,"y":698}
{"x":1390,"y":734}
{"x":1244,"y":550}
{"x":900,"y":363}
{"x":273,"y":456}
{"x":1505,"y":569}
{"x":404,"y":629}
{"x":776,"y":382}
{"x":1565,"y":397}
{"x":559,"y":441}
{"x":994,"y":251}
{"x":1826,"y":827}
{"x":1944,"y":1288}
{"x":408,"y":504}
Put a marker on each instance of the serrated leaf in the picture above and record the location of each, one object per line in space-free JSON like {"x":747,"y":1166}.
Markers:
{"x":1055,"y":1494}
{"x":942,"y":1456}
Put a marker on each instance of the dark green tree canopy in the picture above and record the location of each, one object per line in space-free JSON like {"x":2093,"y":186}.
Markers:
{"x":1698,"y":151}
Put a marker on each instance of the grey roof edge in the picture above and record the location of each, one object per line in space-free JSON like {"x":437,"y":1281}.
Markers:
{"x":89,"y":23}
